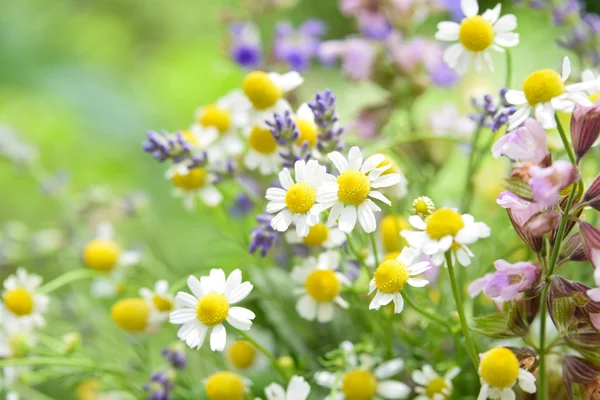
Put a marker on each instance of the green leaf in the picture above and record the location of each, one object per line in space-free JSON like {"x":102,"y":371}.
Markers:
{"x":563,"y":309}
{"x":519,"y":188}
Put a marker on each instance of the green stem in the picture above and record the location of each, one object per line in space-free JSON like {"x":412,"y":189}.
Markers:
{"x":461,"y":312}
{"x":266,"y":353}
{"x":468,"y":195}
{"x":353,"y":249}
{"x":63,"y":362}
{"x":71,"y":276}
{"x":564,"y":139}
{"x":374,"y":247}
{"x":543,"y":390}
{"x":508,"y":68}
{"x":425,"y":313}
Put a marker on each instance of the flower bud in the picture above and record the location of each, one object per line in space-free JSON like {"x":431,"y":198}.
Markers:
{"x":542,"y":222}
{"x":585,"y":128}
{"x":592,"y":195}
{"x":590,"y":237}
{"x":578,"y":371}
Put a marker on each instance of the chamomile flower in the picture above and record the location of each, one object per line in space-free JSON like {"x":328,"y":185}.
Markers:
{"x":263,"y":151}
{"x":217,"y":125}
{"x":593,"y":81}
{"x":209,"y":305}
{"x":423,"y":206}
{"x":194,"y":182}
{"x":391,"y":276}
{"x":297,"y":201}
{"x":499,"y":370}
{"x":21,"y":303}
{"x":16,"y":340}
{"x":544,"y":92}
{"x":476,"y":35}
{"x":159,"y":299}
{"x":445,"y":230}
{"x":242,"y":356}
{"x":319,"y":235}
{"x":297,"y":389}
{"x":433,"y":386}
{"x":322,"y":287}
{"x":389,"y":233}
{"x":226,"y":385}
{"x":308,"y":130}
{"x":349,"y":194}
{"x":136,"y":315}
{"x":265,"y":92}
{"x":365,"y":380}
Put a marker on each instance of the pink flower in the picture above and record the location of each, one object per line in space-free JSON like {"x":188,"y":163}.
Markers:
{"x":595,"y":293}
{"x":546,"y":183}
{"x":590,"y":238}
{"x":527,"y":143}
{"x":507,"y":282}
{"x":521,"y":210}
{"x":357,"y":56}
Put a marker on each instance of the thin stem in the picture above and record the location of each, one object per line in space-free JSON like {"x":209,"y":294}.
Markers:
{"x":425,"y":313}
{"x":508,"y":68}
{"x":266,"y":353}
{"x":468,"y":195}
{"x":61,"y":361}
{"x":564,"y":139}
{"x":461,"y":312}
{"x":374,"y":247}
{"x":543,"y":390}
{"x":353,"y":249}
{"x":71,"y":276}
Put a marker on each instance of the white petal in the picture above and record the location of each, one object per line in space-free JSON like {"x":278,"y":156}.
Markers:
{"x":182,"y":316}
{"x":386,"y":180}
{"x":210,"y":196}
{"x":508,"y":394}
{"x":183,"y":299}
{"x":453,"y":53}
{"x":218,"y":337}
{"x":285,"y":178}
{"x":407,"y":256}
{"x":389,"y":368}
{"x":469,"y":7}
{"x":380,"y":299}
{"x":447,"y":31}
{"x":417,"y":282}
{"x":566,"y":69}
{"x":335,"y":212}
{"x":195,"y":286}
{"x":239,"y":323}
{"x":417,"y":222}
{"x":275,"y":194}
{"x":393,"y":389}
{"x":240,"y":292}
{"x":299,"y":168}
{"x":233,"y":281}
{"x":515,"y":97}
{"x":366,"y":218}
{"x":372,"y":162}
{"x":281,"y":222}
{"x":519,"y":117}
{"x":398,"y":303}
{"x":338,"y":161}
{"x":379,"y":196}
{"x":418,"y":268}
{"x":506,"y":23}
{"x":241,"y":313}
{"x":347,"y":219}
{"x":324,"y":312}
{"x":354,"y":158}
{"x":491,"y":15}
{"x":217,"y":277}
{"x":507,"y":39}
{"x":288,"y":81}
{"x":307,"y":307}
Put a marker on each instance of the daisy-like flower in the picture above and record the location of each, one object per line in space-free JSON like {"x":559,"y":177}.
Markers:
{"x":159,"y":299}
{"x":217,"y":126}
{"x":16,"y":340}
{"x":297,"y":201}
{"x":433,"y":386}
{"x":349,"y":194}
{"x":389,"y":232}
{"x":445,"y":230}
{"x":319,"y":235}
{"x":593,"y":80}
{"x":365,"y":380}
{"x":242,"y":356}
{"x":544,"y":92}
{"x":476,"y":35}
{"x":297,"y":389}
{"x":209,"y":306}
{"x":322,"y":287}
{"x":308,"y":130}
{"x":194,"y":182}
{"x":423,"y":206}
{"x":136,"y":315}
{"x":265,"y":92}
{"x":391,"y":276}
{"x":21,"y":304}
{"x":499,"y":371}
{"x":226,"y":385}
{"x":263,"y":151}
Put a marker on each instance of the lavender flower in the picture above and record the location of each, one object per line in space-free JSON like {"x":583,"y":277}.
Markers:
{"x":567,"y":13}
{"x":163,"y":146}
{"x":241,"y":206}
{"x":546,"y":183}
{"x":324,"y":110}
{"x":175,"y":355}
{"x":527,"y":143}
{"x":507,"y":282}
{"x":493,"y":114}
{"x":286,"y":133}
{"x":298,"y":47}
{"x":357,"y":54}
{"x":263,"y":237}
{"x":160,"y":386}
{"x":246,"y":48}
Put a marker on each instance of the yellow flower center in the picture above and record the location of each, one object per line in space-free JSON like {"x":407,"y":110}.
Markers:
{"x":300,"y":198}
{"x":317,"y":235}
{"x":88,"y":389}
{"x":359,"y":384}
{"x":101,"y":254}
{"x":594,"y":97}
{"x":391,"y":276}
{"x":393,"y":169}
{"x":212,"y":309}
{"x":162,"y":303}
{"x":19,"y":301}
{"x":216,"y":117}
{"x":242,"y":354}
{"x":423,"y":206}
{"x":542,"y":86}
{"x":225,"y":385}
{"x":131,"y":314}
{"x":262,"y":140}
{"x":261,"y":90}
{"x":190,"y":137}
{"x":476,"y":34}
{"x":436,"y":386}
{"x":322,"y":285}
{"x":444,"y":222}
{"x":499,"y":367}
{"x":195,"y":178}
{"x":391,"y":256}
{"x":390,"y":233}
{"x":353,"y":187}
{"x":308,"y":132}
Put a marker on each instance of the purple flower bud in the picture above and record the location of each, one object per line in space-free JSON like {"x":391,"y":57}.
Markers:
{"x":585,"y":128}
{"x":592,"y":195}
{"x":519,"y":212}
{"x":542,"y":222}
{"x":590,"y":237}
{"x":579,"y":371}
